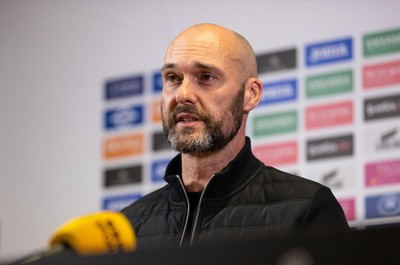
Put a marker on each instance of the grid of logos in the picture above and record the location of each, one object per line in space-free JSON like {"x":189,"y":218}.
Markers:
{"x":381,"y":112}
{"x":330,"y":112}
{"x":135,"y":153}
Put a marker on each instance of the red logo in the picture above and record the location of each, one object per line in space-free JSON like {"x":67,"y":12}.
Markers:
{"x":379,"y":75}
{"x":277,"y":154}
{"x":348,"y":206}
{"x":329,"y":115}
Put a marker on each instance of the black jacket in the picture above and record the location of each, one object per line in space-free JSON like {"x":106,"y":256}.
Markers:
{"x":245,"y":201}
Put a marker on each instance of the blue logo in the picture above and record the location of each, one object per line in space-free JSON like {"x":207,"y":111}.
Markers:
{"x":157,"y":82}
{"x":329,"y":52}
{"x":158,"y":170}
{"x":117,"y":203}
{"x":123,"y":117}
{"x":125,"y":87}
{"x":277,"y":92}
{"x":383,"y":206}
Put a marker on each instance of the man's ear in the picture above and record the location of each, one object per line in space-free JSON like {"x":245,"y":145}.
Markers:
{"x":252,"y":94}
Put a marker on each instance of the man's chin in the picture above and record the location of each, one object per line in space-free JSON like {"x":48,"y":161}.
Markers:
{"x":190,"y":144}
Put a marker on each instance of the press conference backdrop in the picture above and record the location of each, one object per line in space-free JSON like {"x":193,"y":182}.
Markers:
{"x":80,"y":98}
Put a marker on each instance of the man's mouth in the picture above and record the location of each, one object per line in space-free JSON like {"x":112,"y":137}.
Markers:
{"x":186,"y":117}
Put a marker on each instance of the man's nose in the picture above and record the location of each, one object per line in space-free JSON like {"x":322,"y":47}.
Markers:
{"x":186,"y":93}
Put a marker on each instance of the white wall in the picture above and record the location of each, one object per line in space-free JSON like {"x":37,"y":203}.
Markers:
{"x":54,"y":58}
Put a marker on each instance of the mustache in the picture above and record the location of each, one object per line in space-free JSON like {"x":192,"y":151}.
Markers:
{"x":188,"y":109}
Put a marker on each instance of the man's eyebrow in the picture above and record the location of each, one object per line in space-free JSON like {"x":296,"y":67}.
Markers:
{"x":168,"y":66}
{"x":209,"y":67}
{"x":198,"y":65}
{"x":205,"y":66}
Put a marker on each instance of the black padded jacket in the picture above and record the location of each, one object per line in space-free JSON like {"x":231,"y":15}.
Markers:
{"x":247,"y":200}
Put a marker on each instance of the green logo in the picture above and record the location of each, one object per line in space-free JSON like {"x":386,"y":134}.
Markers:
{"x":381,"y":42}
{"x":269,"y":124}
{"x":328,"y":84}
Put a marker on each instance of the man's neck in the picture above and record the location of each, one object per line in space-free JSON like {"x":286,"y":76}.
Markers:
{"x":198,"y":169}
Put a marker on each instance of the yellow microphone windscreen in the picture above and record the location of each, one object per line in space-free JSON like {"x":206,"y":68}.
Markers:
{"x":102,"y":232}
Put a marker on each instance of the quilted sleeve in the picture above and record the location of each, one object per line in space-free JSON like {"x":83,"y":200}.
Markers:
{"x":324,"y":214}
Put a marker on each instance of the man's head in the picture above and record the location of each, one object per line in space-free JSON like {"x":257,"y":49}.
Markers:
{"x":210,"y":85}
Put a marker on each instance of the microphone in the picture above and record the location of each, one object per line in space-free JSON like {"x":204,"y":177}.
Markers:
{"x":103,"y":232}
{"x":97,"y":233}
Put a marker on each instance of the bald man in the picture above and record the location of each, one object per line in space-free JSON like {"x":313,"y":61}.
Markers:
{"x":217,"y":189}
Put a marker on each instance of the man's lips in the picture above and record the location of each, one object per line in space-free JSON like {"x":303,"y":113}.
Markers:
{"x":187,"y":117}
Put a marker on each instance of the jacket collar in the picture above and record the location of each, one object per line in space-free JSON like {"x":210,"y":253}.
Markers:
{"x":236,"y":173}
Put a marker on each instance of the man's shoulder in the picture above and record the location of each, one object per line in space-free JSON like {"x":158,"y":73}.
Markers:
{"x":273,"y":174}
{"x":276,"y":181}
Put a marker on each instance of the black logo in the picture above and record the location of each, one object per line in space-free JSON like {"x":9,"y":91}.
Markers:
{"x":281,"y":60}
{"x":159,"y":142}
{"x":383,"y":107}
{"x":330,"y":147}
{"x":389,"y":141}
{"x":122,"y":176}
{"x":332,"y":179}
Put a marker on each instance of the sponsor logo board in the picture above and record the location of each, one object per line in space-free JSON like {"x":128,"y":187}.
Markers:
{"x":276,"y":61}
{"x":277,"y":154}
{"x":381,"y":42}
{"x":157,"y":82}
{"x":117,"y":203}
{"x":277,"y":92}
{"x":123,"y":117}
{"x":382,"y":139}
{"x":123,"y":176}
{"x":382,"y":173}
{"x":385,"y":205}
{"x":348,"y":206}
{"x":329,"y":84}
{"x":329,"y":52}
{"x":382,"y":107}
{"x":329,"y":115}
{"x":155,"y":111}
{"x":124,"y":87}
{"x":123,"y":145}
{"x":380,"y":75}
{"x":276,"y":123}
{"x":331,"y":147}
{"x":158,"y":169}
{"x":159,"y":142}
{"x":340,"y":177}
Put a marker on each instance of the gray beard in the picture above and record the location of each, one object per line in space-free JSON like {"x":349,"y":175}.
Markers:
{"x":213,"y":138}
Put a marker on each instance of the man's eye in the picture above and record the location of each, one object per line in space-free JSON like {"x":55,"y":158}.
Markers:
{"x":206,"y":77}
{"x":172,"y":78}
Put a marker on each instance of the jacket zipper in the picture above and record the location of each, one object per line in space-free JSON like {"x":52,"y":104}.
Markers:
{"x":198,"y":211}
{"x":187,"y":213}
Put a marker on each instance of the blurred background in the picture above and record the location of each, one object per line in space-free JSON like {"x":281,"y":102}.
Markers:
{"x":80,"y":88}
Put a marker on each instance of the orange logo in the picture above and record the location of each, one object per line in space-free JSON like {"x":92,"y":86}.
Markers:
{"x":123,"y":145}
{"x":155,"y":111}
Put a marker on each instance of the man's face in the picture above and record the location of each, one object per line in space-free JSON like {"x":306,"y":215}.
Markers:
{"x":202,"y":98}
